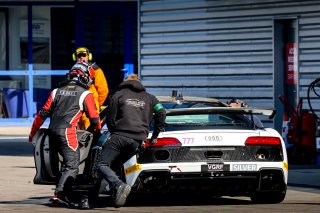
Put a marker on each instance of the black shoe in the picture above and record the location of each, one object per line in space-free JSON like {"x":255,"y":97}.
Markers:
{"x":121,"y":195}
{"x":84,"y":203}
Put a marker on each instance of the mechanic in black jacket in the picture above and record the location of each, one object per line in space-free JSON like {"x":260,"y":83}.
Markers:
{"x":129,"y":114}
{"x":65,"y":107}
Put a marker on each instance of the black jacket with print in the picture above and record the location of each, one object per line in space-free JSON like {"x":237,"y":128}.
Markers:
{"x":131,"y":110}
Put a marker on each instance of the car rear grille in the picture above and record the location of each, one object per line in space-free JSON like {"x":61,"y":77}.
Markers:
{"x":217,"y":183}
{"x":210,"y":154}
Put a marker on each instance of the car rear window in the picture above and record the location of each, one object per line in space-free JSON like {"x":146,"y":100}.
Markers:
{"x":179,"y":105}
{"x":203,"y":121}
{"x":209,"y":120}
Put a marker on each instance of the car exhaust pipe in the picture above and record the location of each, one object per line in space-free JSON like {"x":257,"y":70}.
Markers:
{"x":155,"y":180}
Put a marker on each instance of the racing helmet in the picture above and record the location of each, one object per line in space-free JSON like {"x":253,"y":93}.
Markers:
{"x":82,"y":73}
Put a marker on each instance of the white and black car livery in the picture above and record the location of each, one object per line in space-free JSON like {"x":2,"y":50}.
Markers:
{"x":214,"y":149}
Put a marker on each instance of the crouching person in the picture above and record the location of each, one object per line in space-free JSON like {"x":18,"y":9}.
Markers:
{"x":65,"y":107}
{"x":129,"y":114}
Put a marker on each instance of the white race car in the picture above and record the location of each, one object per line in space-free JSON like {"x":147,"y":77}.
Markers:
{"x":206,"y":147}
{"x":213,"y":149}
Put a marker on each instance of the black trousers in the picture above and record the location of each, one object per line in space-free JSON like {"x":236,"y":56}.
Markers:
{"x":71,"y":158}
{"x":117,"y":150}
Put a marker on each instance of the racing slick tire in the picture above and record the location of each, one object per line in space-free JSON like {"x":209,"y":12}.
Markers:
{"x":268,"y":197}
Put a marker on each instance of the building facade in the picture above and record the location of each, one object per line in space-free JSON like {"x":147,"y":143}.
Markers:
{"x":38,"y":38}
{"x":255,"y":50}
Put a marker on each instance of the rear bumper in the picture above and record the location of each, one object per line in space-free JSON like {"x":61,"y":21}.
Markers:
{"x":220,"y":183}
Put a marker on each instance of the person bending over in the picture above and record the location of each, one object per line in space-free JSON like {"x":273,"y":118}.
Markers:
{"x":129,"y":113}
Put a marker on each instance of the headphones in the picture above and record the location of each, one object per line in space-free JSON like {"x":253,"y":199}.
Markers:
{"x":82,"y":50}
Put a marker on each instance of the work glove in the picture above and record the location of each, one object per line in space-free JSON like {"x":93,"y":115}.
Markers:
{"x":152,"y":141}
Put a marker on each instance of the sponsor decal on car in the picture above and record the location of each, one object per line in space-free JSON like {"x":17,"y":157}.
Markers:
{"x":214,"y":167}
{"x":132,"y":169}
{"x":187,"y":141}
{"x":244,"y":167}
{"x":213,"y":138}
{"x":285,"y":165}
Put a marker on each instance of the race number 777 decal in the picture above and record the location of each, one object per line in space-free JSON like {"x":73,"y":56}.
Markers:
{"x":187,"y":141}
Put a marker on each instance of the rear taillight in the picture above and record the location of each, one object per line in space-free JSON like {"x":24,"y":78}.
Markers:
{"x":263,"y":141}
{"x":165,"y":142}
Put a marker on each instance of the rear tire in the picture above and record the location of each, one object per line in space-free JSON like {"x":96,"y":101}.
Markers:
{"x":268,"y":197}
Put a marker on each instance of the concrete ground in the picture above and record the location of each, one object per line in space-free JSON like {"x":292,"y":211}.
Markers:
{"x":299,"y":175}
{"x":13,"y":130}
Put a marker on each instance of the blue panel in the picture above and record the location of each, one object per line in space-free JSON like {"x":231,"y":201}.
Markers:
{"x":128,"y":69}
{"x":15,"y":100}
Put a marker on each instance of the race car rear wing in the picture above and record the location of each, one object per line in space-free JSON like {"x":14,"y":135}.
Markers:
{"x":223,"y":110}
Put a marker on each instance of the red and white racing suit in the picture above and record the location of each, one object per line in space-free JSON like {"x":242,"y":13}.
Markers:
{"x":65,"y":107}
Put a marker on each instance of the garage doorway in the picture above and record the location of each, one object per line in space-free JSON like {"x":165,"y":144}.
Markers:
{"x":107,"y":29}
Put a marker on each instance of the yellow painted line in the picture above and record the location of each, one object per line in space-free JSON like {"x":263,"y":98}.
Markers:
{"x":132,"y":169}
